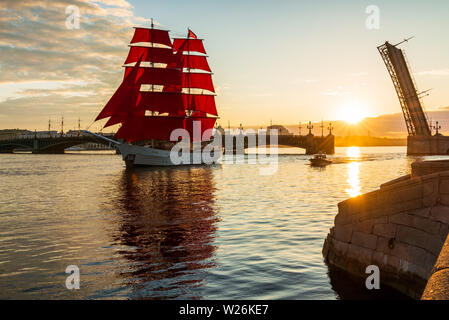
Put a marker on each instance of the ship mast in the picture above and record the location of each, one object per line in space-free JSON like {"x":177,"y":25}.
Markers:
{"x":188,"y":71}
{"x":152,"y":85}
{"x":152,"y":66}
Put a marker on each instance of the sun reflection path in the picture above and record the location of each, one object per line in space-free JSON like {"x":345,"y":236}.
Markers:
{"x":353,"y":179}
{"x":353,"y":152}
{"x":353,"y":172}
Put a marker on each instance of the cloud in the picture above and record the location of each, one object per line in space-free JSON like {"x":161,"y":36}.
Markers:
{"x":435,"y":72}
{"x":115,"y":3}
{"x":36,"y":47}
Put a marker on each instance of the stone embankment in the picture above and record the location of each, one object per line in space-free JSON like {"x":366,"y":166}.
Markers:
{"x":401,"y":228}
{"x":437,"y":287}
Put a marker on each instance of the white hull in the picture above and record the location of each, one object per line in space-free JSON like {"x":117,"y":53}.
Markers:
{"x":147,"y":156}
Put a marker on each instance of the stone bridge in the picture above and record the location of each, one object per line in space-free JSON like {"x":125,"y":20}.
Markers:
{"x":46,"y":145}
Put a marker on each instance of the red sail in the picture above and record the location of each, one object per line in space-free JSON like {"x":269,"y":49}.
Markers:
{"x":162,"y":102}
{"x":174,"y":103}
{"x":145,"y":128}
{"x":190,"y":45}
{"x":160,"y":76}
{"x":159,"y":127}
{"x":151,"y":35}
{"x":125,"y":109}
{"x":153,"y":54}
{"x":115,"y":120}
{"x":197,"y":80}
{"x":195,"y":62}
{"x":200,"y":102}
{"x":206,"y":123}
{"x":120,"y":100}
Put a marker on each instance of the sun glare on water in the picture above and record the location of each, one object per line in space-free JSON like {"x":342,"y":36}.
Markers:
{"x":353,"y":152}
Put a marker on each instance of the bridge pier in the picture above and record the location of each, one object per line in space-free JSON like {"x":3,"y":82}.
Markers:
{"x":35,"y":145}
{"x":427,"y":145}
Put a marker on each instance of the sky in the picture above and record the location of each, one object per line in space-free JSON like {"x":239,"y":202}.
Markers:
{"x":283,"y":61}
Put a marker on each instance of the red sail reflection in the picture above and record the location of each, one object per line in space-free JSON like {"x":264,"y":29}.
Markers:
{"x":168,"y":222}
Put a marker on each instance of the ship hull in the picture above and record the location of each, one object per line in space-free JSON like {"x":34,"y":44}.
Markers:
{"x":146,"y":156}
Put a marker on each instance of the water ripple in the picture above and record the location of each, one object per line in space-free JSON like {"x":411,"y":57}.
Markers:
{"x":221,"y":232}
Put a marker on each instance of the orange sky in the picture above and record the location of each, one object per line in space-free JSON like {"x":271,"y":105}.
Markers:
{"x":281,"y":61}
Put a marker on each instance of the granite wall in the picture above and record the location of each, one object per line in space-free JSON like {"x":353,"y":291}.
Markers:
{"x":401,"y":228}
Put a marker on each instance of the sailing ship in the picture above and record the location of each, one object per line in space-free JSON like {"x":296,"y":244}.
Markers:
{"x":167,"y":85}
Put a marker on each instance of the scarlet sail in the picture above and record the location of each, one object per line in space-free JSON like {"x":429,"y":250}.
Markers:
{"x":196,"y":62}
{"x":151,"y":35}
{"x":198,"y":80}
{"x":120,"y":102}
{"x":201,"y":102}
{"x":189,"y":44}
{"x":153,"y":54}
{"x":153,"y":100}
{"x":161,"y":128}
{"x":164,"y":102}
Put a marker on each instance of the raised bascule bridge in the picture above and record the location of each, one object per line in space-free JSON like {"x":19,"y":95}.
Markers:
{"x":420,"y":140}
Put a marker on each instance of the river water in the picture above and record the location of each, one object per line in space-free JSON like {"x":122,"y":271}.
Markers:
{"x":218,"y":232}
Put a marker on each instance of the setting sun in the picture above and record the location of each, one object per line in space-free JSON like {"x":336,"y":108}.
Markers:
{"x":353,"y":112}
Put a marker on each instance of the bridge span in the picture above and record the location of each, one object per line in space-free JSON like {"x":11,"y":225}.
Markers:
{"x":55,"y":145}
{"x":312,"y":144}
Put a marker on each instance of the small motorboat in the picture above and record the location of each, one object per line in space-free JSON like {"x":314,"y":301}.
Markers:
{"x":320,"y":160}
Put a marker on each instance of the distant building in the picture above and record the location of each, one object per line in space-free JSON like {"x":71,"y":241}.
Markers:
{"x":282,"y":131}
{"x":7,"y":134}
{"x":76,"y":133}
{"x":26,"y":134}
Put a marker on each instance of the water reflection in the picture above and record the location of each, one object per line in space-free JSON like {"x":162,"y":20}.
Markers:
{"x":349,"y":287}
{"x":353,"y":179}
{"x":353,"y":152}
{"x":167,"y":227}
